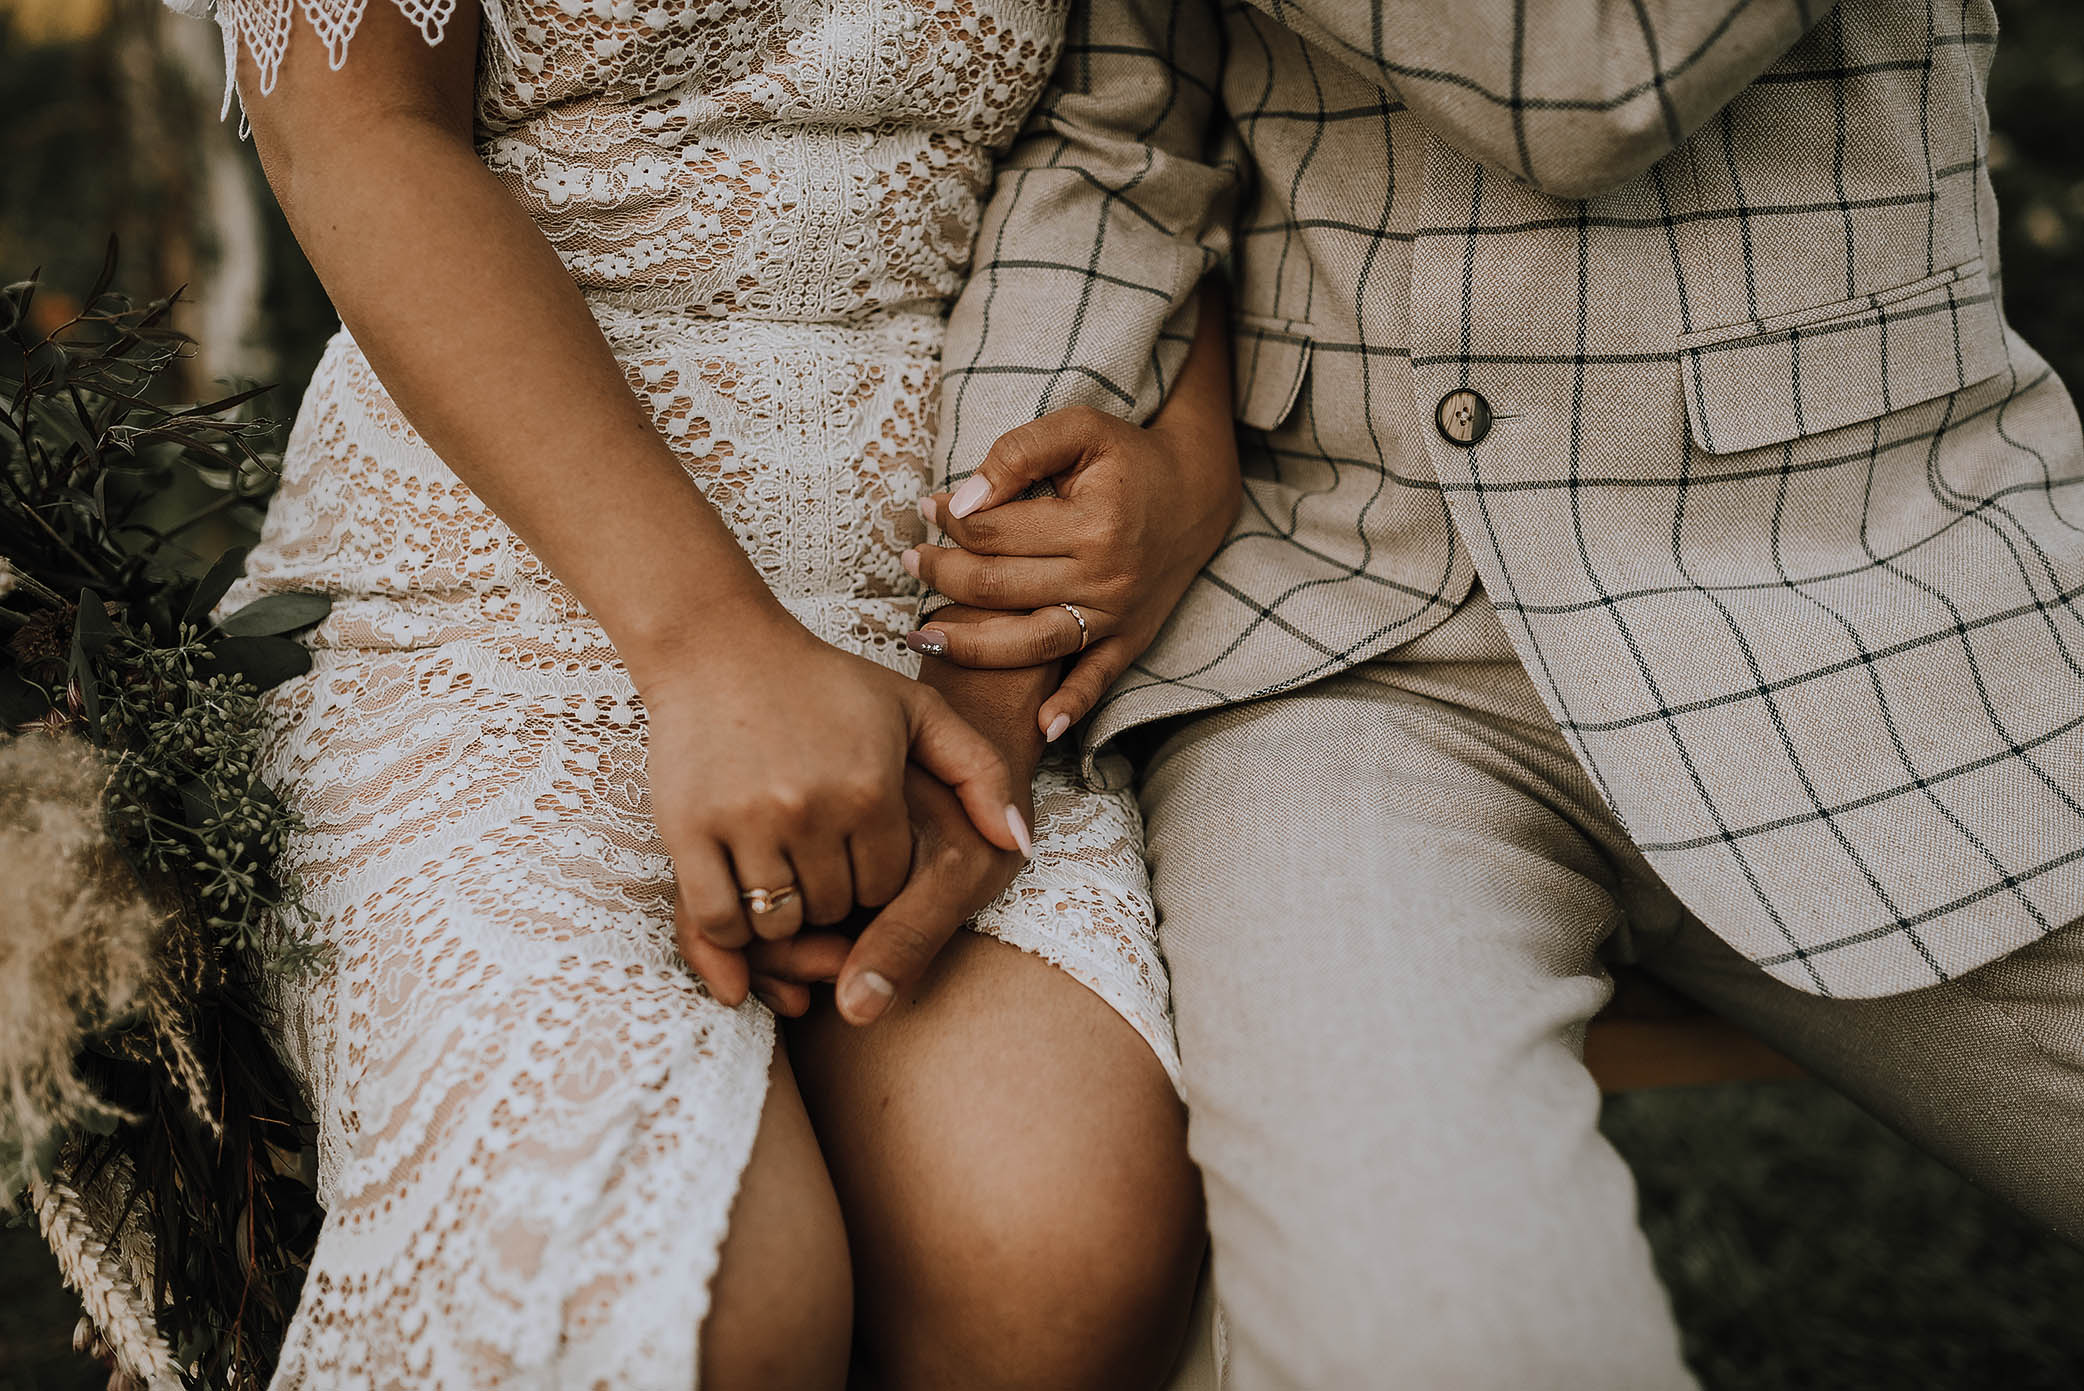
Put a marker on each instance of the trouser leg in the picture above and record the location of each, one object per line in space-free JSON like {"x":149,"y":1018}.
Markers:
{"x":1382,"y":927}
{"x":1985,"y":1071}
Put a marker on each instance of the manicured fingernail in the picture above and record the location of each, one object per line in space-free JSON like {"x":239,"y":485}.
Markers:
{"x":929,"y":511}
{"x":970,"y":496}
{"x":1019,"y":826}
{"x":911,"y":562}
{"x":866,"y":996}
{"x":1056,"y":729}
{"x":928,"y":642}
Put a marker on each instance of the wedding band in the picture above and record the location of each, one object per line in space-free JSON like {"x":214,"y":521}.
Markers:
{"x":1085,"y":634}
{"x":761,"y":902}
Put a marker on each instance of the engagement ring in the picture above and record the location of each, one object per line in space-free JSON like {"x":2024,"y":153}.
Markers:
{"x":761,"y":902}
{"x":1085,"y":634}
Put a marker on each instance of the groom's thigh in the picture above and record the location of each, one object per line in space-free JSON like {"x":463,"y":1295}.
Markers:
{"x":1985,"y":1071}
{"x":1382,"y":934}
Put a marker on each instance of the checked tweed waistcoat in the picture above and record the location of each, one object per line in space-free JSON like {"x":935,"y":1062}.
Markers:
{"x":1780,"y":515}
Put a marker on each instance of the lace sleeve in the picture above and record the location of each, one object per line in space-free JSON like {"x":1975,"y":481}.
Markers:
{"x":263,"y":26}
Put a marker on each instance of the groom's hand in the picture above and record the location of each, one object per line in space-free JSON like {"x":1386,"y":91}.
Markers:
{"x":955,"y":872}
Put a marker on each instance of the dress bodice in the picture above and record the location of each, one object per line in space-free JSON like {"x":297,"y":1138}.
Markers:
{"x":795,"y":159}
{"x":803,"y":159}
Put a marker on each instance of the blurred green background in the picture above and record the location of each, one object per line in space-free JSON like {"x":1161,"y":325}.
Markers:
{"x":1805,"y":1246}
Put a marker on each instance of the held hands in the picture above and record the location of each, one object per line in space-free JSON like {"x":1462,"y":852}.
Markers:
{"x":1137,"y":513}
{"x":955,"y":873}
{"x":789,"y":763}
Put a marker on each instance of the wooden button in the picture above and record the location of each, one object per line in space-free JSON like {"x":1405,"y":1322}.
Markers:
{"x":1464,"y":417}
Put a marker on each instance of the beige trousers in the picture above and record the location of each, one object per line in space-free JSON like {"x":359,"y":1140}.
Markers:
{"x":1387,"y":899}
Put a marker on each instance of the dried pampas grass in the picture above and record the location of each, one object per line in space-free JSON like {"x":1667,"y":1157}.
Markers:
{"x":76,"y":945}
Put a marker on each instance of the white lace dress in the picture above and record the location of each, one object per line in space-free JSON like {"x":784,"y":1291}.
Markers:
{"x":532,"y":1119}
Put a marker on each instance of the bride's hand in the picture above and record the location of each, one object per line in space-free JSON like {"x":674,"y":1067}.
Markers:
{"x":1137,"y":513}
{"x":954,"y":875}
{"x":782,"y":763}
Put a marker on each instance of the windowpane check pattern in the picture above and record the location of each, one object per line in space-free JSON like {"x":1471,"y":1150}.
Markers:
{"x":1781,"y":516}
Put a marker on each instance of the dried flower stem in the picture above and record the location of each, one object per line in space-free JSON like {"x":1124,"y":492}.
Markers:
{"x":121,"y":1317}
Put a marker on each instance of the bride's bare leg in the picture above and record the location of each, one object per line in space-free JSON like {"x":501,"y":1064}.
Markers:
{"x":1012,"y":1164}
{"x":781,"y":1309}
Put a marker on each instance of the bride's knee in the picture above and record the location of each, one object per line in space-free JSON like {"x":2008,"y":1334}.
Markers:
{"x":1032,"y":1285}
{"x":781,"y":1308}
{"x":785,"y":1325}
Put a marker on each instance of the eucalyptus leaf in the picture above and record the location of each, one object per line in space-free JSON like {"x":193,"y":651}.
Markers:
{"x":106,"y":277}
{"x":85,"y":415}
{"x":265,"y":661}
{"x":66,"y":423}
{"x":92,"y":630}
{"x":224,"y":403}
{"x":48,"y":365}
{"x":198,"y":806}
{"x":210,"y":588}
{"x":91,"y":634}
{"x":276,"y":613}
{"x":90,"y":689}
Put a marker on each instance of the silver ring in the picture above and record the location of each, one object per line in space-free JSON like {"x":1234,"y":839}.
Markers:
{"x":761,"y":902}
{"x":1085,"y":634}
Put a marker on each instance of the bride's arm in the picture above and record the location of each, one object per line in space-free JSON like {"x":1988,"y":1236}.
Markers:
{"x":482,"y":338}
{"x":773,"y":757}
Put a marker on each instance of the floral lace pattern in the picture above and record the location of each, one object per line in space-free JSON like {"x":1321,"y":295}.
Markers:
{"x":809,"y":439}
{"x":532,"y":1118}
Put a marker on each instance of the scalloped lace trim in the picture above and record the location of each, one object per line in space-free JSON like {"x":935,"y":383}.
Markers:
{"x":264,"y":26}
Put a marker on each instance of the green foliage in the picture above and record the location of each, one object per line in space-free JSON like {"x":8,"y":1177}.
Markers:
{"x":109,"y":625}
{"x":184,"y":735}
{"x":88,"y":453}
{"x":105,"y":615}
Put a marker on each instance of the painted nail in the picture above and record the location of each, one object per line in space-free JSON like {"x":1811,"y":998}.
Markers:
{"x":928,"y":642}
{"x":1019,"y":826}
{"x":1056,"y":729}
{"x":911,"y":562}
{"x":866,"y":996}
{"x":929,"y":511}
{"x":970,"y":496}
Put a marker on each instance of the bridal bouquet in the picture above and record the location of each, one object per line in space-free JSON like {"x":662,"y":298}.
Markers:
{"x":144,"y":1117}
